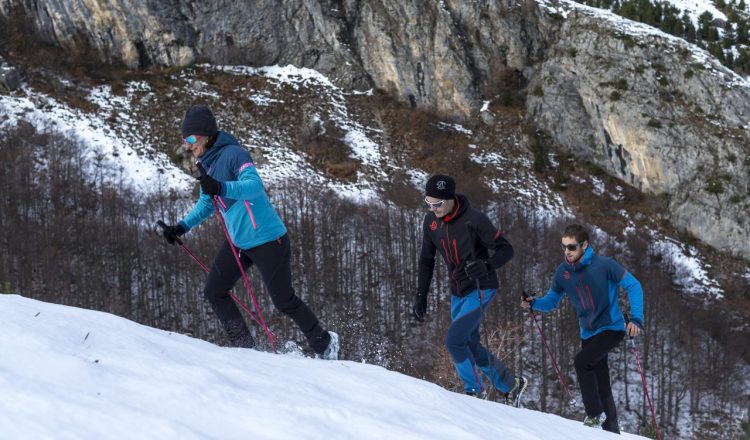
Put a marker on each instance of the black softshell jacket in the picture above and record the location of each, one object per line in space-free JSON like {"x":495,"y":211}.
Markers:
{"x":451,"y":236}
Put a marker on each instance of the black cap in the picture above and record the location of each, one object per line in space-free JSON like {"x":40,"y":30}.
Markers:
{"x":441,"y":187}
{"x":200,"y":121}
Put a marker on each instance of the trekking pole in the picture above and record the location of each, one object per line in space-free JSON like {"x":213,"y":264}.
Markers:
{"x":162,"y":225}
{"x":571,"y":400}
{"x":645,"y":387}
{"x":269,"y":335}
{"x":480,"y":292}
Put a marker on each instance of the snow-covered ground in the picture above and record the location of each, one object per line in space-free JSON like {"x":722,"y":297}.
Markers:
{"x":694,"y":8}
{"x":687,"y":265}
{"x":69,"y":373}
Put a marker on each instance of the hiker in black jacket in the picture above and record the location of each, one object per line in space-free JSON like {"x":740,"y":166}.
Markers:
{"x":465,"y":237}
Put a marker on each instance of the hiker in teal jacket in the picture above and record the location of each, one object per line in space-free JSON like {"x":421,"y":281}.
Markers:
{"x":253,"y":226}
{"x":592,"y":285}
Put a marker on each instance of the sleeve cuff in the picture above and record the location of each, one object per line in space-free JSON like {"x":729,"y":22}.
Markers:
{"x":184,"y":226}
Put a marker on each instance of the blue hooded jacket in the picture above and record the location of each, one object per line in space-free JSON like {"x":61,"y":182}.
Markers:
{"x":250,"y":218}
{"x":592,"y":285}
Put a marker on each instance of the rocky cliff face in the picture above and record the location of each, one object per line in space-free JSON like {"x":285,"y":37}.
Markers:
{"x":640,"y":104}
{"x":655,"y":112}
{"x":438,"y":54}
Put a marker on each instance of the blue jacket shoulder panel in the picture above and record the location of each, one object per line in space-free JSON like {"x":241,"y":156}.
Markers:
{"x":250,"y":218}
{"x":592,"y":286}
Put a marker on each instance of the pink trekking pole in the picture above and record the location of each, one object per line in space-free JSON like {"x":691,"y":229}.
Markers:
{"x":571,"y":400}
{"x":645,"y":386}
{"x":269,"y":335}
{"x":260,"y":322}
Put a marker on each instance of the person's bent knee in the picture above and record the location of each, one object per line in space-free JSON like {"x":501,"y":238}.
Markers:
{"x":454,"y":341}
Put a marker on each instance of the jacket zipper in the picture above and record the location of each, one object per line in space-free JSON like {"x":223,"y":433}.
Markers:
{"x":250,"y":212}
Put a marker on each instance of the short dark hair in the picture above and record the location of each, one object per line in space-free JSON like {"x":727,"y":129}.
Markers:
{"x":577,"y":232}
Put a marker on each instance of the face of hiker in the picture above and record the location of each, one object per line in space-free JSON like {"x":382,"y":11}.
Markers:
{"x":441,"y":208}
{"x":195,"y":145}
{"x":573,"y":249}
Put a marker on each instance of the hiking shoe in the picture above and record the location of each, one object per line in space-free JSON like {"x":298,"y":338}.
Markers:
{"x":594,"y":421}
{"x":238,"y":334}
{"x":331,"y":352}
{"x":514,"y":395}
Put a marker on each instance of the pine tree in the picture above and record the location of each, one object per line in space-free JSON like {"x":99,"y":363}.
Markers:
{"x":704,"y":25}
{"x":728,"y":59}
{"x":729,"y":37}
{"x":628,"y":9}
{"x":742,"y":37}
{"x":689,"y":33}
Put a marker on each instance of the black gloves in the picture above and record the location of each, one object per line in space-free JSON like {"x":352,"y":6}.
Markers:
{"x":420,"y":307}
{"x":210,"y":186}
{"x":172,"y":233}
{"x":476,"y":269}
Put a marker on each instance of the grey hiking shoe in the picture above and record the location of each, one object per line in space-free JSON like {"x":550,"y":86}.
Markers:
{"x":594,"y":421}
{"x":514,"y":395}
{"x":331,"y":352}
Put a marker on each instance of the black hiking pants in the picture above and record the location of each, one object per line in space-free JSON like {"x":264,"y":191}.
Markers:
{"x":273,"y":260}
{"x":592,"y":368}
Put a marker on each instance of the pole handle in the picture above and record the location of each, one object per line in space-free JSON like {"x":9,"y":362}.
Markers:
{"x":164,"y":226}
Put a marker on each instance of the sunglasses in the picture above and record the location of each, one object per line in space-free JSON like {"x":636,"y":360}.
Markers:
{"x":571,"y":247}
{"x":190,"y":139}
{"x":435,"y":205}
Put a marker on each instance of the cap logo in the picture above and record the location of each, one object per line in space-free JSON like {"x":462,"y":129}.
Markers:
{"x":441,"y":185}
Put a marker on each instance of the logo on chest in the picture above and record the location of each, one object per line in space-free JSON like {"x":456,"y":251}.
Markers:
{"x":566,"y":275}
{"x":433,"y":226}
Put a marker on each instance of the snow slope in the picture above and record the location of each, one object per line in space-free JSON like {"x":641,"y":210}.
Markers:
{"x":69,"y":373}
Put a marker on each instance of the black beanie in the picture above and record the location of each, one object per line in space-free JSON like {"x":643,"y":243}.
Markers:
{"x":441,"y":187}
{"x":200,"y":121}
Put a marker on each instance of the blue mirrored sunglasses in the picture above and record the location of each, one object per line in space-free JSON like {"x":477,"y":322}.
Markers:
{"x":190,"y":139}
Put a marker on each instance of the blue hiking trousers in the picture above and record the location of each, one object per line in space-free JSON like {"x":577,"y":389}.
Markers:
{"x":467,"y":352}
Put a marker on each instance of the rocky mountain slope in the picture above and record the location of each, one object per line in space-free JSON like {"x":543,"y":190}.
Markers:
{"x":645,"y":107}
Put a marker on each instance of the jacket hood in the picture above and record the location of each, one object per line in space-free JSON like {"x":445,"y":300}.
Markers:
{"x":585,"y":260}
{"x":222,"y":140}
{"x":462,"y":204}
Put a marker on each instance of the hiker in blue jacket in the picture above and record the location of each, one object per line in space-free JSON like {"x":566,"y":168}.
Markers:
{"x":592,"y":285}
{"x":465,"y":237}
{"x":254,"y":227}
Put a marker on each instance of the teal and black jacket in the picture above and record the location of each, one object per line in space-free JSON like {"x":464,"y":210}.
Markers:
{"x":250,"y":218}
{"x":592,"y":285}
